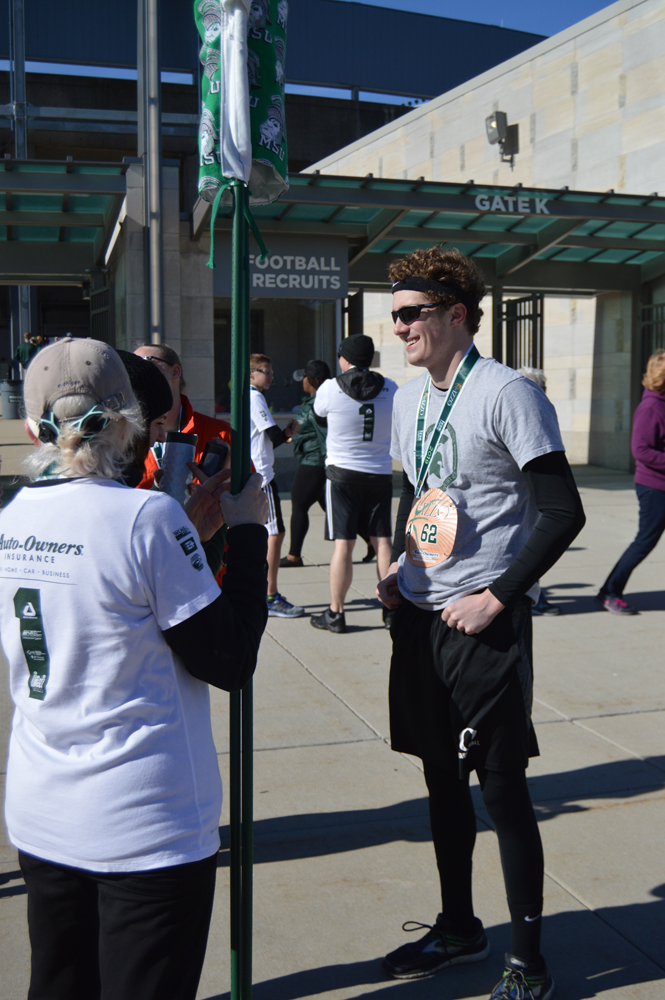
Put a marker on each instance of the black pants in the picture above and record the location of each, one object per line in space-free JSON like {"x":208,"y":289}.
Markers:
{"x":453,"y":821}
{"x":444,"y":684}
{"x":308,"y":488}
{"x":651,"y":527}
{"x":127,"y":936}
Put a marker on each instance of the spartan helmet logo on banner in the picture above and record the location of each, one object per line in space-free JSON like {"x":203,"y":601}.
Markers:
{"x":259,"y":15}
{"x":208,"y":137}
{"x":282,"y":13}
{"x":210,"y":60}
{"x":211,"y":15}
{"x":253,"y":69}
{"x":272,"y":129}
{"x":279,"y":60}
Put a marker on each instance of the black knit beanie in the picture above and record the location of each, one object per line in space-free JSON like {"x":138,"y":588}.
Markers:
{"x":149,"y":384}
{"x":358,"y":350}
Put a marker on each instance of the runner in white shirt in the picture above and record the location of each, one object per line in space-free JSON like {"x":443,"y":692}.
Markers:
{"x":265,"y":437}
{"x":113,"y":627}
{"x":357,"y":409}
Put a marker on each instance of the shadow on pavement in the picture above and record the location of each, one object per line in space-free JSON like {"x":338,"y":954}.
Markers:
{"x":584,"y":962}
{"x":287,"y":838}
{"x":648,"y":600}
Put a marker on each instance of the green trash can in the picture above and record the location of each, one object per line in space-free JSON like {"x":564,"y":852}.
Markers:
{"x":11,"y":394}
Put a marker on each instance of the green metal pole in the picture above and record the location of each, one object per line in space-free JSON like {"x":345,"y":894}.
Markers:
{"x":241,"y":723}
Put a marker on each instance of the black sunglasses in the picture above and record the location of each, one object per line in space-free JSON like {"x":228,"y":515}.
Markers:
{"x":156,"y":357}
{"x":409,"y":314}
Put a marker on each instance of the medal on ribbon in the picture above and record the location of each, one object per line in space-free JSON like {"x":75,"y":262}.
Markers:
{"x":432,"y":524}
{"x":431,"y":529}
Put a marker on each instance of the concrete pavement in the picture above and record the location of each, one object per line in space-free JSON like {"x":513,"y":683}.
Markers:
{"x":343,"y":853}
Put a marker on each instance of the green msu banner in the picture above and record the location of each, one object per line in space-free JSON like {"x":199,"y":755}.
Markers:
{"x":242,"y":130}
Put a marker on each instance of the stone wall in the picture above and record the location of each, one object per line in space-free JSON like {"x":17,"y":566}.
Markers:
{"x":590,"y":105}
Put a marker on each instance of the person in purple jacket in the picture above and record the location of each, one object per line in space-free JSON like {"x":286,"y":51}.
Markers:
{"x":648,"y":447}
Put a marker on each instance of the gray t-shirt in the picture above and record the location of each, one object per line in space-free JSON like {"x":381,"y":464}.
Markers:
{"x":500,"y":422}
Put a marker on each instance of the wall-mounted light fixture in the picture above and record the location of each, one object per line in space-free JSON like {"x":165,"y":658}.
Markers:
{"x":507,"y":136}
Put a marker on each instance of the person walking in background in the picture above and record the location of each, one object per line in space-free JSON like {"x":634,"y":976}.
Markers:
{"x":357,"y":407}
{"x":648,"y":448}
{"x":265,"y":437}
{"x":25,"y":351}
{"x":542,"y":607}
{"x":182,"y":416}
{"x":309,"y":448}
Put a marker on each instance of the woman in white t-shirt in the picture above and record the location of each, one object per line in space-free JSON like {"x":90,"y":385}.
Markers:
{"x":113,"y":627}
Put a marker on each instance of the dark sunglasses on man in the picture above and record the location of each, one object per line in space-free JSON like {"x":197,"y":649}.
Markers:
{"x":409,"y":314}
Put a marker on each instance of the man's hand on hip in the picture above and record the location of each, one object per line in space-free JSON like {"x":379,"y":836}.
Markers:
{"x":473,"y":613}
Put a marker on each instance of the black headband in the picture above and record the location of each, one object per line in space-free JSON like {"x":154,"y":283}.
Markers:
{"x":416,"y":284}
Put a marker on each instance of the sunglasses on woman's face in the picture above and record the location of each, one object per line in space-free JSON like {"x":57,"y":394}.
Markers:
{"x":409,"y":314}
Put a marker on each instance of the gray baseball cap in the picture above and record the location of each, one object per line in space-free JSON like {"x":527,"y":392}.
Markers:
{"x":75,"y":366}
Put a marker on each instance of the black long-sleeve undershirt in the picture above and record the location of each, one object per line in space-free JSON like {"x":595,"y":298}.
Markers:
{"x":277,"y":435}
{"x":220,"y":643}
{"x":551,"y":481}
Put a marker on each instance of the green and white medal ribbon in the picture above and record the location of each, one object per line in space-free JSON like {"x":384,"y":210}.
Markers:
{"x":464,"y":369}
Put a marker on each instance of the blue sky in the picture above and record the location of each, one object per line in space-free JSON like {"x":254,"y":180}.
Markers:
{"x":543,"y":18}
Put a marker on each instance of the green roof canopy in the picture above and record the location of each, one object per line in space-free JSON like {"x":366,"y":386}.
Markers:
{"x":522,"y":238}
{"x":57,"y":218}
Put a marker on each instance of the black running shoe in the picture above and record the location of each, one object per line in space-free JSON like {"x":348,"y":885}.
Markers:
{"x":285,"y":562}
{"x":334,"y":623}
{"x":518,"y":983}
{"x":435,"y":951}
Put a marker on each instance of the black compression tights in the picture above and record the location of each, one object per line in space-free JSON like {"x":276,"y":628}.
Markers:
{"x":453,"y":820}
{"x":308,"y":488}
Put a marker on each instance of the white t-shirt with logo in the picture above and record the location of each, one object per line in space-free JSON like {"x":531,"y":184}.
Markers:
{"x":358,"y":431}
{"x":261,"y":448}
{"x":112,"y":764}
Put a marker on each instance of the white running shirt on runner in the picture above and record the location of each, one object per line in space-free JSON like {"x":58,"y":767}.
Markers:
{"x":358,"y":432}
{"x":112,"y":764}
{"x":261,"y":447}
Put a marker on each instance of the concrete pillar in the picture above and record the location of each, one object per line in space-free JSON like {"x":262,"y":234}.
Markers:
{"x":188,"y":302}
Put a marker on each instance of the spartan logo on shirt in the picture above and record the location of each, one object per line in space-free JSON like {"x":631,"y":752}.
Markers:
{"x":436,"y":470}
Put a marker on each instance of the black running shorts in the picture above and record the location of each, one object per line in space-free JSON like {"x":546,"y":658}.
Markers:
{"x":275,"y":522}
{"x":358,"y":499}
{"x":463,"y":701}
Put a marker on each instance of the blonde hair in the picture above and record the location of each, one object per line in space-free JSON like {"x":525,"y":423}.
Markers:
{"x":107,"y":454}
{"x":536,"y":375}
{"x":654,"y":377}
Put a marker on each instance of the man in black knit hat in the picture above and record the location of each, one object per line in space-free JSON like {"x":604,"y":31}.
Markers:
{"x":357,"y":409}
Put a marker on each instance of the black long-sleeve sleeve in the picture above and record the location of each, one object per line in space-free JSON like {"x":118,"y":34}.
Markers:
{"x":561,"y":520}
{"x":220,"y":643}
{"x":403,"y":510}
{"x":277,"y":435}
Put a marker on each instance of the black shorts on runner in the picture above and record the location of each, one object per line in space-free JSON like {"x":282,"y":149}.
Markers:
{"x":275,"y":522}
{"x":358,"y":499}
{"x":463,"y":701}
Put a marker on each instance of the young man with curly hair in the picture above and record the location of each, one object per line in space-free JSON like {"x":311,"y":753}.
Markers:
{"x":488,"y":506}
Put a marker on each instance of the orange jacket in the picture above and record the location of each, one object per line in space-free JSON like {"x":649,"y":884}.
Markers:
{"x":206,"y":428}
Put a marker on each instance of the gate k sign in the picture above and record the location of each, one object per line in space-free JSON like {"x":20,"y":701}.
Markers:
{"x":546,"y":240}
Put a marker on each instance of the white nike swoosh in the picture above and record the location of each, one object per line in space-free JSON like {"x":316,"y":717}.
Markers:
{"x":531,"y":920}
